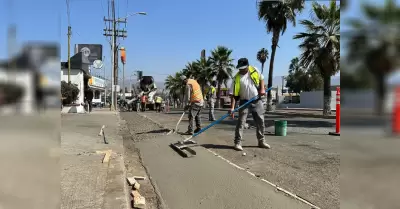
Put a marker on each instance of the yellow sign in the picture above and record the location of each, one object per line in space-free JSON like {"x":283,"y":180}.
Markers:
{"x":43,"y":81}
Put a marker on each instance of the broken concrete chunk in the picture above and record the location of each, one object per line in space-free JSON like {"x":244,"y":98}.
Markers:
{"x":136,"y":186}
{"x":138,"y":200}
{"x":131,"y":181}
{"x":140,"y":177}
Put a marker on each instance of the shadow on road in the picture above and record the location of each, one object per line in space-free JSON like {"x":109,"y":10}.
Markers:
{"x":290,"y":123}
{"x":165,"y":130}
{"x":216,"y":146}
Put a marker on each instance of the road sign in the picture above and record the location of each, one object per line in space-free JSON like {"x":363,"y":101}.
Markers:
{"x":98,"y":64}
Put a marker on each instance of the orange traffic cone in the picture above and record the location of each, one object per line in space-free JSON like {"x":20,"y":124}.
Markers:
{"x":396,"y":113}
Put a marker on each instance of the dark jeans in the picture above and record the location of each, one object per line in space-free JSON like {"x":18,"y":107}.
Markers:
{"x":194,"y":116}
{"x":158,"y":107}
{"x":143,"y":107}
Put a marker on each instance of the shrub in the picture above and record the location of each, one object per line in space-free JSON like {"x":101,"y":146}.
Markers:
{"x":69,"y":92}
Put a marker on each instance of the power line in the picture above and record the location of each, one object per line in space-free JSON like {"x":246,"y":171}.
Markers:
{"x":68,"y":13}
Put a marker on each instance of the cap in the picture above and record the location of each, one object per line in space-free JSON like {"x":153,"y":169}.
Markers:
{"x":242,"y":63}
{"x":183,"y":77}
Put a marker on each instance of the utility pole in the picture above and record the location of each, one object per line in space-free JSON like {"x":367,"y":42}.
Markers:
{"x":69,"y":54}
{"x":114,"y":33}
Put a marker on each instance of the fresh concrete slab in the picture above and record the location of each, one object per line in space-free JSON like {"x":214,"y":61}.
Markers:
{"x":206,"y":181}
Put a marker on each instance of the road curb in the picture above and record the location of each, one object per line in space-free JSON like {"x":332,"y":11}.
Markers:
{"x":161,"y":204}
{"x":116,"y":175}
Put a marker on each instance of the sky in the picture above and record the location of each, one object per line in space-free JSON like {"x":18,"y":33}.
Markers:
{"x":172,"y":33}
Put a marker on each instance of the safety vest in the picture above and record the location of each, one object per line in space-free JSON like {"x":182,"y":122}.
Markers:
{"x":158,"y":100}
{"x":253,"y":75}
{"x":207,"y":90}
{"x":196,"y":95}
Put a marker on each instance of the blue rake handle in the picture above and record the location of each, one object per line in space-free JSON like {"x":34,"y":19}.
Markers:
{"x":224,"y":116}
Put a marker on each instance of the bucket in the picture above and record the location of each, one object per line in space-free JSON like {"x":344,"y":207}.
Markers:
{"x":280,"y":127}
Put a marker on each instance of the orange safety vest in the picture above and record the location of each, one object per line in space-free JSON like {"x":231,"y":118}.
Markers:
{"x":196,"y":95}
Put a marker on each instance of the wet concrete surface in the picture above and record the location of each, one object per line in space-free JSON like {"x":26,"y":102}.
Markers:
{"x":205,"y":181}
{"x":306,"y":162}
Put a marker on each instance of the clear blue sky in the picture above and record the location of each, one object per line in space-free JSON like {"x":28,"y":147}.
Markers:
{"x":172,"y":34}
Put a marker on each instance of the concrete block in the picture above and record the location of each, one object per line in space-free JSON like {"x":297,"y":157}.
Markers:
{"x":107,"y":155}
{"x":131,"y":181}
{"x":138,"y":200}
{"x":136,"y":186}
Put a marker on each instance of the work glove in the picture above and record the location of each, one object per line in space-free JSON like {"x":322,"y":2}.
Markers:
{"x":231,"y":113}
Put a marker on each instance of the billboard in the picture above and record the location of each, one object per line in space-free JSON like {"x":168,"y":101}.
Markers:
{"x":91,"y":51}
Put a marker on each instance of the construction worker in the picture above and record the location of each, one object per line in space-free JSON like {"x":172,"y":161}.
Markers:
{"x":248,"y":83}
{"x":138,"y":104}
{"x":158,"y":103}
{"x":143,"y":100}
{"x":194,"y":103}
{"x":211,"y":97}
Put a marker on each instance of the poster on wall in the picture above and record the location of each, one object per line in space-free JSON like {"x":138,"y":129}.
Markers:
{"x":91,"y":51}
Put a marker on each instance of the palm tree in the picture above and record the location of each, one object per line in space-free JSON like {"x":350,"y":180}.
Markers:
{"x":277,"y":15}
{"x":190,"y":70}
{"x":175,"y":86}
{"x":262,"y":56}
{"x":374,"y":44}
{"x":321,"y":45}
{"x":204,"y":72}
{"x":223,"y":67}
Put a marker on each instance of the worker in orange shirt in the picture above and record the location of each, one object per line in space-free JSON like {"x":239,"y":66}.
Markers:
{"x":194,"y":103}
{"x":143,"y":100}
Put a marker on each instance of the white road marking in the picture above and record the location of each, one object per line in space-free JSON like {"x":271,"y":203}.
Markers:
{"x":266,"y":181}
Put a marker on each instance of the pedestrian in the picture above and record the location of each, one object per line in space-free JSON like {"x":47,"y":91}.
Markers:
{"x":248,"y":83}
{"x":138,"y":102}
{"x":143,"y":101}
{"x":89,"y":99}
{"x":194,"y":102}
{"x":158,"y":103}
{"x":211,"y":97}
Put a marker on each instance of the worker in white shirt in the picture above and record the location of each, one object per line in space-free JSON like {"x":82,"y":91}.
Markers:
{"x":246,"y":84}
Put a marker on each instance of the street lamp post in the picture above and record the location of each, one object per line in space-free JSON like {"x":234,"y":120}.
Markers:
{"x":123,"y":58}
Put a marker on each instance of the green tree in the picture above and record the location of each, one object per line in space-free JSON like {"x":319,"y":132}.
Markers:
{"x":277,"y":15}
{"x":321,"y":45}
{"x":204,"y":72}
{"x":262,"y":57}
{"x":175,"y":86}
{"x":374,"y":42}
{"x":301,"y":79}
{"x":69,"y":92}
{"x":190,"y":70}
{"x":223,"y":67}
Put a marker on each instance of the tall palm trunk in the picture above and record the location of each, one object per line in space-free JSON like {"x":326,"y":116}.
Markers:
{"x":218,"y":104}
{"x":275,"y":39}
{"x":327,"y":94}
{"x":262,"y":67}
{"x":380,"y":93}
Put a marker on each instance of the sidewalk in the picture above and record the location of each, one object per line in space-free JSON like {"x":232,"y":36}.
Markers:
{"x":86,"y":182}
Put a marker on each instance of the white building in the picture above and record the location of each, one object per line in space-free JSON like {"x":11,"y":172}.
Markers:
{"x":98,"y":85}
{"x":79,"y":76}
